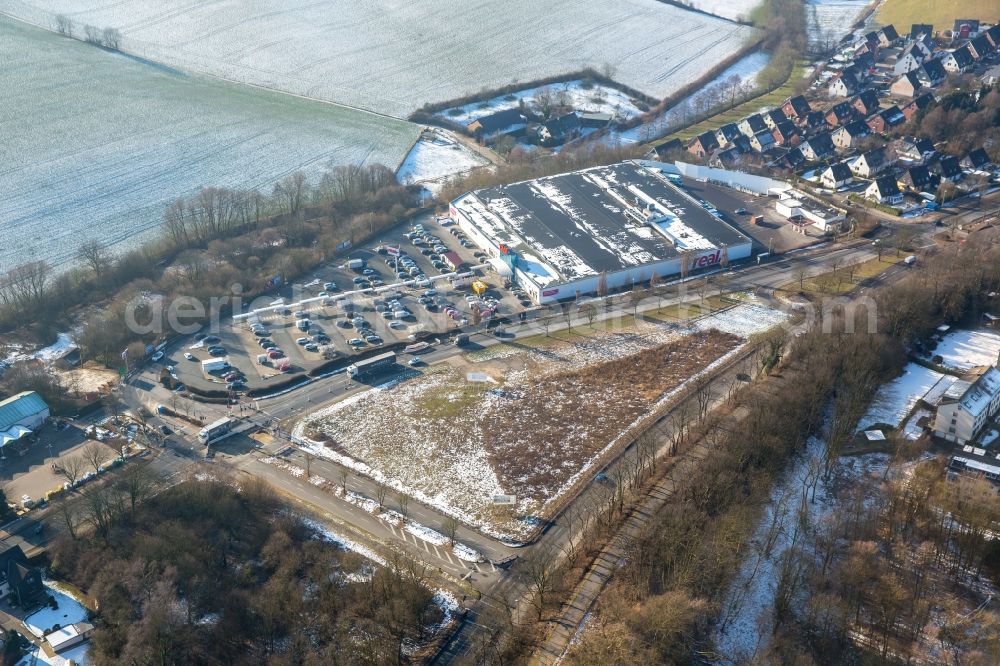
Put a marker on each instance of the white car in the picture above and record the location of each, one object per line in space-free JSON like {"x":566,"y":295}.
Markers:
{"x":157,"y":357}
{"x":189,"y":356}
{"x":414,"y":362}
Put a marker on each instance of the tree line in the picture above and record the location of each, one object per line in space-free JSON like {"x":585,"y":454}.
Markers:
{"x":663,"y":605}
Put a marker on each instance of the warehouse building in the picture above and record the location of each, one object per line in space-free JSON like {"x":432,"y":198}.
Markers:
{"x":20,"y":416}
{"x":596,"y":230}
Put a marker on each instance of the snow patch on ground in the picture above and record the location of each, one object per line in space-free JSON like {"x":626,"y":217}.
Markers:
{"x":432,"y":161}
{"x":743,"y":320}
{"x":965,"y":349}
{"x":730,"y":9}
{"x":79,"y":656}
{"x":69,"y":610}
{"x":894,"y":400}
{"x":343,"y":542}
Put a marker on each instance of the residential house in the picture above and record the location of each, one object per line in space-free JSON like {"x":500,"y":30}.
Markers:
{"x":866,"y":103}
{"x":917,"y":150}
{"x":773,"y":117}
{"x":814,"y":119}
{"x":842,"y":85}
{"x":932,"y":72}
{"x":762,"y":141}
{"x":906,"y":86}
{"x":885,"y":119}
{"x":965,"y":28}
{"x":836,"y":176}
{"x":925,"y":45}
{"x":885,"y":191}
{"x":20,"y":583}
{"x":725,"y":158}
{"x":919,"y":103}
{"x":908,"y":61}
{"x":993,"y":34}
{"x":980,"y":47}
{"x":918,"y":179}
{"x":950,"y":169}
{"x":665,"y":151}
{"x":507,"y":122}
{"x":841,"y":114}
{"x":558,"y":131}
{"x":742,"y":144}
{"x":786,"y":134}
{"x":796,"y":108}
{"x":864,"y":62}
{"x":725,"y":134}
{"x":752,"y":125}
{"x":977,"y":160}
{"x":887,"y":36}
{"x":870,"y":164}
{"x":703,"y":144}
{"x":918,"y":30}
{"x":958,"y":60}
{"x":848,"y":136}
{"x":817,"y":147}
{"x":967,"y":406}
{"x":794,"y":159}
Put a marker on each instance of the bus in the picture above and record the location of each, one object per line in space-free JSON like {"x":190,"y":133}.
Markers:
{"x":216,"y":430}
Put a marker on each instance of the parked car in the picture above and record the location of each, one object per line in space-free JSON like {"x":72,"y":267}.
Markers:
{"x":165,"y":429}
{"x":302,"y":341}
{"x":330,"y":286}
{"x":275,"y":353}
{"x":210,"y":339}
{"x":189,"y":356}
{"x":312,"y":347}
{"x":157,"y":357}
{"x":217,"y":351}
{"x":398,"y":325}
{"x":414,"y":362}
{"x":356,"y":342}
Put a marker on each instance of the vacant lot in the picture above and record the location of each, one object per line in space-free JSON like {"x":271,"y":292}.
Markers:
{"x":941,"y":15}
{"x":520,"y":422}
{"x":95,"y":144}
{"x":393,"y":56}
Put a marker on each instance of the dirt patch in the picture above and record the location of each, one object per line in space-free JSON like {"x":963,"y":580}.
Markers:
{"x":536,"y":431}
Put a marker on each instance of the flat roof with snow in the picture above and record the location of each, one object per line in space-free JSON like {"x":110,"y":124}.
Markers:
{"x":600,"y":220}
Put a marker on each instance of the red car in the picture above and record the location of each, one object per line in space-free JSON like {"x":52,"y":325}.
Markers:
{"x":275,"y":353}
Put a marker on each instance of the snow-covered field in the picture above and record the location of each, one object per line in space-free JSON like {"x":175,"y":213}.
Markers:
{"x":597,"y":98}
{"x":67,"y":611}
{"x":964,"y":349}
{"x":730,"y":9}
{"x":436,"y":157}
{"x":827,"y":21}
{"x":96,"y":144}
{"x":393,"y":56}
{"x":743,"y":320}
{"x":895,"y":400}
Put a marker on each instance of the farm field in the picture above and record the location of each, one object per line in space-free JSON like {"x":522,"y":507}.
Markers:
{"x":520,"y":420}
{"x":97,"y":143}
{"x":827,"y":21}
{"x":736,"y":10}
{"x":393,"y":57}
{"x":941,"y":15}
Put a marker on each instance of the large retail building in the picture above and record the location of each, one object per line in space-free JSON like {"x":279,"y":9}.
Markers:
{"x":596,"y":230}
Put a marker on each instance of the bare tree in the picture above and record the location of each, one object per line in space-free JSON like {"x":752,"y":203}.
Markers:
{"x":381,"y":490}
{"x":95,"y":255}
{"x":309,"y":459}
{"x":92,"y":34}
{"x":67,"y":511}
{"x":137,"y":482}
{"x":93,"y":453}
{"x":403,"y":502}
{"x":111,"y":38}
{"x":71,"y":468}
{"x":449,"y":527}
{"x":344,"y":476}
{"x":64,"y":26}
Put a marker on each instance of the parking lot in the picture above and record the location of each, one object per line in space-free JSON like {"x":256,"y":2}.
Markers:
{"x":774,"y":235}
{"x":416,"y":282}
